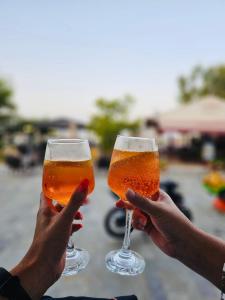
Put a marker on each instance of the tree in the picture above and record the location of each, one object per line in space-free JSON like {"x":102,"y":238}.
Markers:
{"x":202,"y":82}
{"x":7,"y":107}
{"x":111,"y":118}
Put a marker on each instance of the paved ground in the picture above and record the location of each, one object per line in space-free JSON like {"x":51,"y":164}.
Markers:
{"x":163,"y":279}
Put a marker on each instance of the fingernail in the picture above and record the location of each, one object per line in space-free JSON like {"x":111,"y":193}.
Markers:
{"x":141,"y":227}
{"x":155,"y":196}
{"x":119,"y":204}
{"x":130,"y":194}
{"x":86,"y":201}
{"x":83,"y":186}
{"x":142,"y":222}
{"x":79,"y":215}
{"x":79,"y":226}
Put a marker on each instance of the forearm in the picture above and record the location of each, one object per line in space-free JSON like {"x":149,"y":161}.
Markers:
{"x":204,"y":254}
{"x":34,"y":277}
{"x":32,"y":284}
{"x":29,"y":280}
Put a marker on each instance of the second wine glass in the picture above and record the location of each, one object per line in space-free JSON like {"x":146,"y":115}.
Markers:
{"x":134,"y":164}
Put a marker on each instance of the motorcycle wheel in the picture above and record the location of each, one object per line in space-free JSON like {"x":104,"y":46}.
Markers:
{"x":115,"y":223}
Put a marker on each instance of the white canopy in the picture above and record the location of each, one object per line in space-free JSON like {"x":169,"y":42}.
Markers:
{"x":205,"y":115}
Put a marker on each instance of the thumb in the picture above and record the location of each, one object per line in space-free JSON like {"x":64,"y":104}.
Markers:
{"x":76,"y":199}
{"x":145,"y":204}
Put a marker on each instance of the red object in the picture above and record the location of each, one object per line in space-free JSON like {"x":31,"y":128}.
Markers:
{"x":78,"y":215}
{"x":83,"y":186}
{"x":219,"y":204}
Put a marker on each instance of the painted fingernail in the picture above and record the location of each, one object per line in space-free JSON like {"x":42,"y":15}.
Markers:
{"x":83,"y":186}
{"x":142,"y":222}
{"x":155,"y":196}
{"x":119,"y":204}
{"x":86,"y":201}
{"x":142,"y":228}
{"x":139,"y":226}
{"x":79,"y":215}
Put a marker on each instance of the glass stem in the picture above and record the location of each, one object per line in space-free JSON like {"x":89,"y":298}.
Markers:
{"x":126,"y":241}
{"x":70,"y":247}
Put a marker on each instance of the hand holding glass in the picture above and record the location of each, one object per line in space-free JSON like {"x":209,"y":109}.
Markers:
{"x":67,"y":163}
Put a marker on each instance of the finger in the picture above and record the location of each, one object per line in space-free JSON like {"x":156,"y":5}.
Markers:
{"x":164,"y":197}
{"x":142,"y":221}
{"x":78,"y":215}
{"x":86,"y":201}
{"x":44,"y":201}
{"x":138,"y":226}
{"x":155,"y":196}
{"x":76,"y":200}
{"x":124,"y":204}
{"x":148,"y":228}
{"x":120,"y":204}
{"x":76,"y":227}
{"x":143,"y":203}
{"x":140,"y":217}
{"x":45,"y":204}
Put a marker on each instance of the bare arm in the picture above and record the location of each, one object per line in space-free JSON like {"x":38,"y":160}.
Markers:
{"x":176,"y":236}
{"x":45,"y":260}
{"x":204,"y":254}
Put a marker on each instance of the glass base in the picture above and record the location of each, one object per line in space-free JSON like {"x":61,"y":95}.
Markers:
{"x":76,"y":260}
{"x":125,"y":262}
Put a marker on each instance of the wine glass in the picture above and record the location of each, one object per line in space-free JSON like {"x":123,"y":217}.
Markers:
{"x":68,"y":162}
{"x":134,"y":164}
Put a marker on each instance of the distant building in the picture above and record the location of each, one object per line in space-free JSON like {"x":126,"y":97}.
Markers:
{"x":149,"y":128}
{"x":66,"y":128}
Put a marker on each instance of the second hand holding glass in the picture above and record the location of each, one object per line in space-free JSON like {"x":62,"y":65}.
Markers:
{"x":134,"y":164}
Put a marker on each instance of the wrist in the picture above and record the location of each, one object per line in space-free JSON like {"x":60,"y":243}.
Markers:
{"x":33,"y":277}
{"x":188,"y":247}
{"x":10,"y":286}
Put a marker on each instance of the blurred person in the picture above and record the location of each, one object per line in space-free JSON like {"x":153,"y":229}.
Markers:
{"x":12,"y":157}
{"x":208,"y":150}
{"x":44,"y":262}
{"x":177,"y":237}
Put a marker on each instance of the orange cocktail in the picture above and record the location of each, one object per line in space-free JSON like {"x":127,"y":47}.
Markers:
{"x":136,"y":170}
{"x":135,"y":165}
{"x":60,"y":178}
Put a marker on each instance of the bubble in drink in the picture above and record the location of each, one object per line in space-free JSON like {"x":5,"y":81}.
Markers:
{"x":136,"y":170}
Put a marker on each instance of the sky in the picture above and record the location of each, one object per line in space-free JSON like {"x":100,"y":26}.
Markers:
{"x":61,"y":55}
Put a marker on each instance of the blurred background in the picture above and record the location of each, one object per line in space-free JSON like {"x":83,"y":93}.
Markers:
{"x":94,"y":69}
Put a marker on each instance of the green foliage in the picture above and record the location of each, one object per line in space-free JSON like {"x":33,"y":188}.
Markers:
{"x":7,"y":107}
{"x":202,"y":82}
{"x":111,"y":118}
